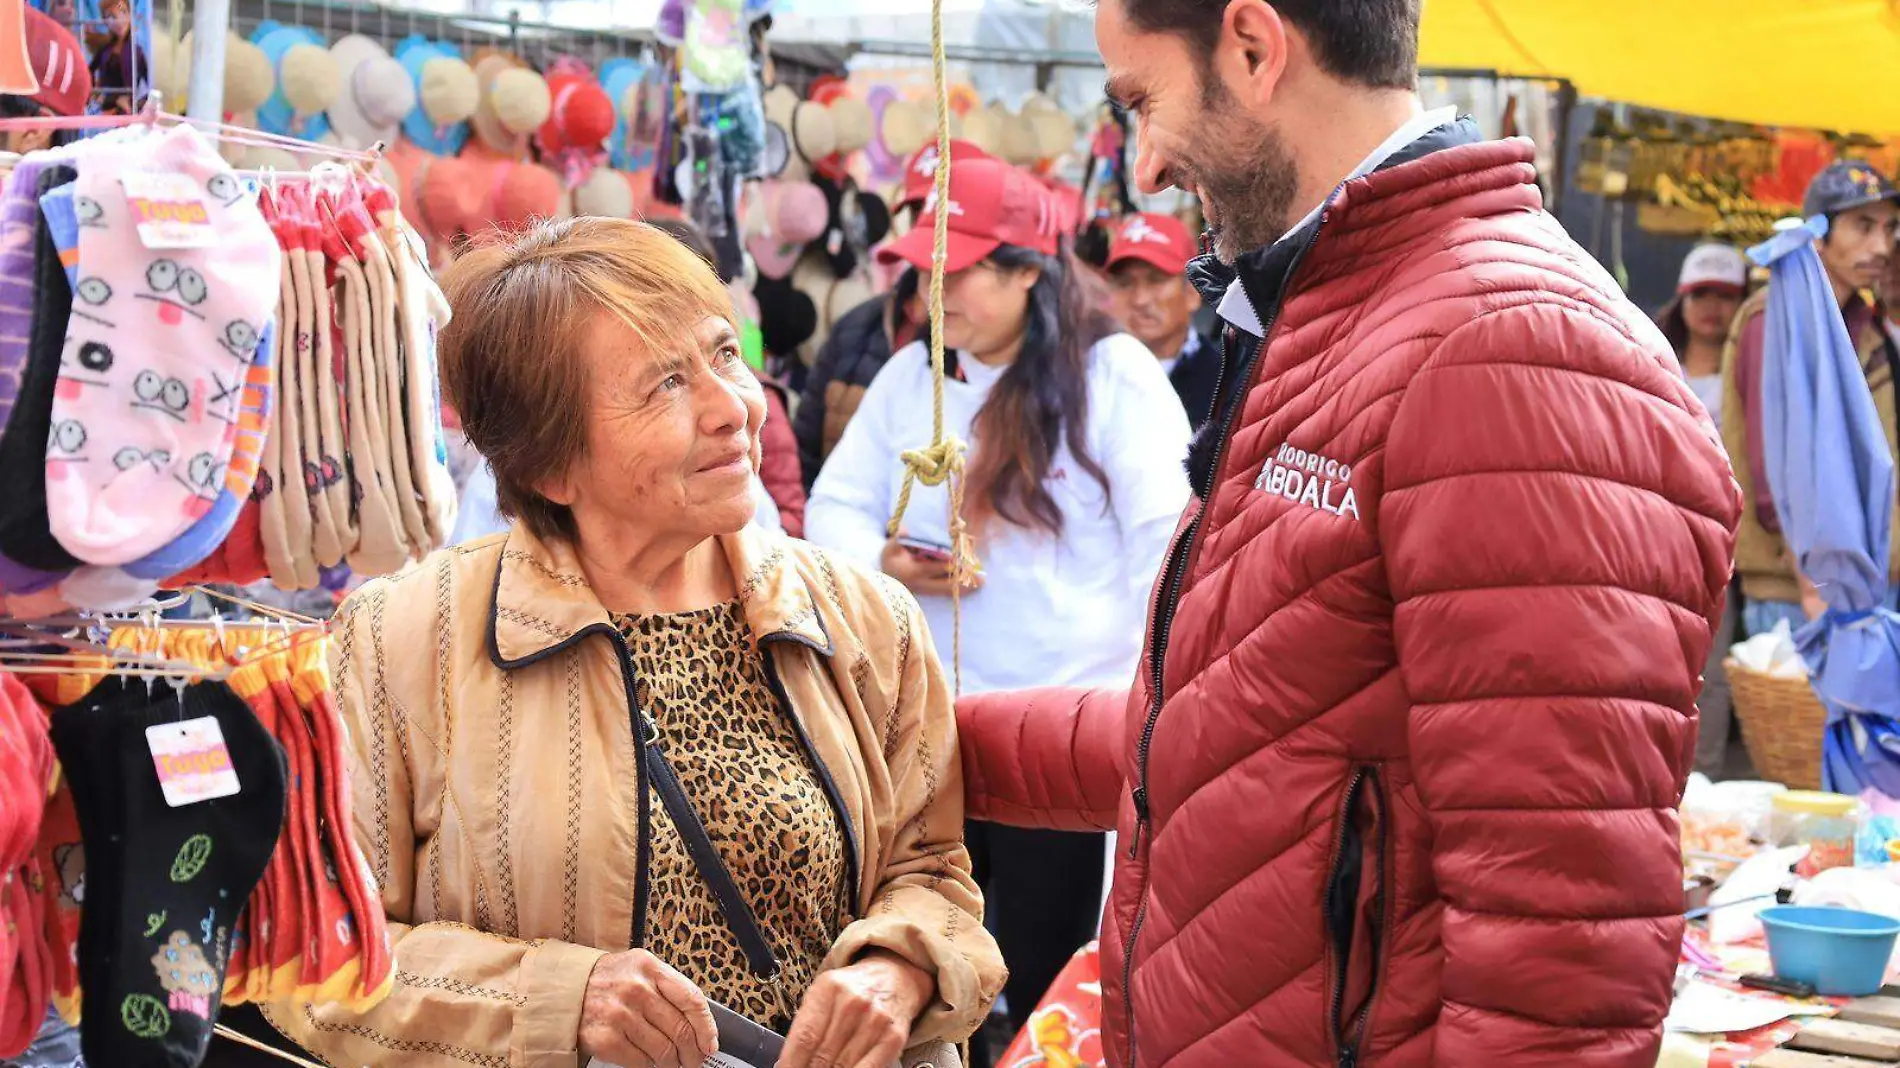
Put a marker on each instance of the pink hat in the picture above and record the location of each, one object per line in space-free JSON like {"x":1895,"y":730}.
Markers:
{"x":796,"y":213}
{"x":525,"y":192}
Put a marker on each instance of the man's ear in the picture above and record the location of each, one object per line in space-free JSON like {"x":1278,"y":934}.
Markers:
{"x":1251,"y":57}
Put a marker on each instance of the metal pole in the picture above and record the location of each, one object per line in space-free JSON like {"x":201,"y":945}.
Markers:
{"x":210,"y":23}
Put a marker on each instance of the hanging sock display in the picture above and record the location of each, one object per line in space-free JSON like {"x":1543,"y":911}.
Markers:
{"x":167,"y":868}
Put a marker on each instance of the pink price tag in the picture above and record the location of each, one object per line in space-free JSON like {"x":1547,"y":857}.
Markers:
{"x":192,"y":761}
{"x":169,"y":209}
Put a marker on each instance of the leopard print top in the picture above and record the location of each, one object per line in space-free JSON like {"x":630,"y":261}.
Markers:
{"x":704,"y":685}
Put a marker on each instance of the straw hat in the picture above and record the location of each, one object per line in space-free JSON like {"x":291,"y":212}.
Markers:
{"x":171,"y":67}
{"x":779,"y":103}
{"x":448,"y":92}
{"x":248,"y":76}
{"x":521,"y":99}
{"x":852,"y":118}
{"x":813,"y":132}
{"x":983,"y":128}
{"x":1055,"y":133}
{"x":376,"y":93}
{"x":1019,"y":140}
{"x":605,"y":193}
{"x":905,"y":128}
{"x":310,"y":78}
{"x":1036,"y":103}
{"x":486,"y":124}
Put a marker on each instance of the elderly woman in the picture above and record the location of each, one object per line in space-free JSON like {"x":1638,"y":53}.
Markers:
{"x":635,"y":754}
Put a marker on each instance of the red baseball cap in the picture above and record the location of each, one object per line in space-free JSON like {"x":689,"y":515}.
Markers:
{"x":921,"y":172}
{"x":1161,"y":240}
{"x":991,"y":204}
{"x":58,"y":64}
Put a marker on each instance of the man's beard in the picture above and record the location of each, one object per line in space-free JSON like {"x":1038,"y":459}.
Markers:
{"x":1247,"y":179}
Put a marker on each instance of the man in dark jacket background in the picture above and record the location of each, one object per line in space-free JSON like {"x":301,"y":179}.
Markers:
{"x":1147,"y":269}
{"x":1396,"y":780}
{"x":860,"y":344}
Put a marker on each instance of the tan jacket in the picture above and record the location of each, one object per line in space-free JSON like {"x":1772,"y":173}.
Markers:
{"x":498,"y":803}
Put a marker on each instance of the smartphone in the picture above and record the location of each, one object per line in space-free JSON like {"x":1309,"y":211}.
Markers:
{"x":926,"y":550}
{"x":742,"y":1043}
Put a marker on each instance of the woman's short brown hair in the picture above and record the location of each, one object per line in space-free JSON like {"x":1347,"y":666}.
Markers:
{"x":513,"y":355}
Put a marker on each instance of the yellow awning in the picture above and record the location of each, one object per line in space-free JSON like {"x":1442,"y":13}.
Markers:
{"x":1824,"y":64}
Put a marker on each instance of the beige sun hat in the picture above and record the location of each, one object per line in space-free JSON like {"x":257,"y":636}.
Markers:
{"x":1019,"y":140}
{"x":905,"y":128}
{"x":983,"y":127}
{"x":852,"y":118}
{"x":248,"y":77}
{"x":264,"y":157}
{"x":449,"y":93}
{"x":171,"y":68}
{"x":607,"y":193}
{"x":780,"y":101}
{"x":813,"y":132}
{"x":521,"y":100}
{"x":1056,"y":133}
{"x":310,"y":78}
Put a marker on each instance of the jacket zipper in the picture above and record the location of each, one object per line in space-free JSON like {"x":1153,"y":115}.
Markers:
{"x":825,"y":779}
{"x":1365,"y":778}
{"x":1165,"y":605}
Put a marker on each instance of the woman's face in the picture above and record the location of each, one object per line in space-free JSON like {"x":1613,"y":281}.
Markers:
{"x":118,"y":16}
{"x":672,"y":437}
{"x":984,"y":307}
{"x":1708,"y":311}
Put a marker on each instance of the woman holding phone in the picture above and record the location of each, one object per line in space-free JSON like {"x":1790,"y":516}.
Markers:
{"x":1074,"y":487}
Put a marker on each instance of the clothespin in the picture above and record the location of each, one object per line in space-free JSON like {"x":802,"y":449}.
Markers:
{"x":217,"y":627}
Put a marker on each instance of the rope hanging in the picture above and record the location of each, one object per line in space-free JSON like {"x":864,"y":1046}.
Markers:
{"x":941,"y":461}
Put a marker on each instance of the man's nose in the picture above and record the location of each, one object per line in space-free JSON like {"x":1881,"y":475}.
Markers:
{"x":1151,"y":170}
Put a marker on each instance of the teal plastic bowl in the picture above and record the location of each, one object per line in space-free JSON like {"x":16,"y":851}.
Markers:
{"x":1840,"y":952}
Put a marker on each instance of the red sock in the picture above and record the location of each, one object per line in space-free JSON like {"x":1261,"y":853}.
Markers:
{"x":62,"y":864}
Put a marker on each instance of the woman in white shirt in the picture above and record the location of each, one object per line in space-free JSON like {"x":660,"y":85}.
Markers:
{"x":1074,"y":488}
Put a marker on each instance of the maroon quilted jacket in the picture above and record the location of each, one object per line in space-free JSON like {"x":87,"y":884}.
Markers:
{"x":1419,"y":692}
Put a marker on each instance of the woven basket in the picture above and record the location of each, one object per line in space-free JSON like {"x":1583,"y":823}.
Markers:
{"x":1782,"y":724}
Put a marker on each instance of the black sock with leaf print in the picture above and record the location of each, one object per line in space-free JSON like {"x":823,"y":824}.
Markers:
{"x":165,"y":882}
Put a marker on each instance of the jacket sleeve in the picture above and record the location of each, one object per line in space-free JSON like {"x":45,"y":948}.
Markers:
{"x":928,"y":909}
{"x":851,"y":501}
{"x":778,"y":465}
{"x":809,"y":425}
{"x":1048,"y":759}
{"x":460,"y":995}
{"x":1557,"y":541}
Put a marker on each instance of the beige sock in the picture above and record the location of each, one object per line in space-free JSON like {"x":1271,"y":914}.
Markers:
{"x":386,"y":357}
{"x":380,"y":547}
{"x":285,"y":517}
{"x":326,"y":410}
{"x":423,"y":311}
{"x":322,"y":538}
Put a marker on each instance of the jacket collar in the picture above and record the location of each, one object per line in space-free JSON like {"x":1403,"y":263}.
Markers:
{"x":1264,"y":269}
{"x":543,"y":603}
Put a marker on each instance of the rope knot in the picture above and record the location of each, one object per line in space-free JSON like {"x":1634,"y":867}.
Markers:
{"x":934,"y":464}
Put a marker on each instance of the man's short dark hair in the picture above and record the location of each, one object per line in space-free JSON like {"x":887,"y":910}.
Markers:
{"x":1370,"y":42}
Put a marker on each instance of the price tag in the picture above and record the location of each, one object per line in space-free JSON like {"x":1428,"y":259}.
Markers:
{"x":192,"y":761}
{"x":169,"y":210}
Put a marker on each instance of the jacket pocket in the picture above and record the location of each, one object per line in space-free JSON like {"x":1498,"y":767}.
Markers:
{"x":1355,"y":910}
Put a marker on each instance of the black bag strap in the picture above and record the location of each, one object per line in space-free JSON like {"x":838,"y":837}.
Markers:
{"x":699,"y":845}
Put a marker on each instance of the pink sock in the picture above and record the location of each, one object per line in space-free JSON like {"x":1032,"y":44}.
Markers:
{"x":154,"y":324}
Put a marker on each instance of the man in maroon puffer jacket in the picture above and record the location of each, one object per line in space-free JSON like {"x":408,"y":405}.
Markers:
{"x":1396,"y":780}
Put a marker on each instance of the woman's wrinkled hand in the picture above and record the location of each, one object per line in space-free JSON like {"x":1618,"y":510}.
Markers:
{"x":859,"y":1016}
{"x":639,"y":1013}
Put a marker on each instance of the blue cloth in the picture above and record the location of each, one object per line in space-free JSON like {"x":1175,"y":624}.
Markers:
{"x":1833,"y":481}
{"x":62,"y":222}
{"x":1760,"y":617}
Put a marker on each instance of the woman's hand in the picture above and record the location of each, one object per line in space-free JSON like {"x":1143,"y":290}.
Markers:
{"x":859,"y":1016}
{"x":921,"y":573}
{"x":639,"y":1013}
